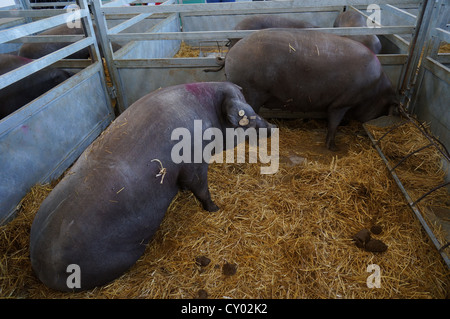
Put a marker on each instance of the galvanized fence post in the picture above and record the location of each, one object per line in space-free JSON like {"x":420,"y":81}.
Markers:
{"x":431,"y":47}
{"x":408,"y":76}
{"x":108,"y":54}
{"x":26,"y":6}
{"x":443,"y":11}
{"x":89,"y":30}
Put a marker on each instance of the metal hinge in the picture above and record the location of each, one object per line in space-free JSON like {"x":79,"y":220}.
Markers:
{"x":112,"y":92}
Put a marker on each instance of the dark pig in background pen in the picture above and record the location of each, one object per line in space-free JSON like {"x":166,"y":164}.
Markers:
{"x":355,"y":19}
{"x":38,"y":50}
{"x":267,"y":21}
{"x":26,"y":90}
{"x":310,"y":71}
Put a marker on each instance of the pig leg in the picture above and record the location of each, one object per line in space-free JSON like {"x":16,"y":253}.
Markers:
{"x":335,"y":117}
{"x":255,"y":98}
{"x":195,"y":178}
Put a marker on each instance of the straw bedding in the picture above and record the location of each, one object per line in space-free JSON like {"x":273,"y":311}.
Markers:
{"x":444,"y":48}
{"x":419,"y":173}
{"x":285,"y":235}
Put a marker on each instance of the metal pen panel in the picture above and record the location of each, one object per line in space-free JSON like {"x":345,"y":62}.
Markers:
{"x":40,"y":141}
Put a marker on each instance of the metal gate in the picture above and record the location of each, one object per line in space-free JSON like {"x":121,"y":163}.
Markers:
{"x":42,"y":139}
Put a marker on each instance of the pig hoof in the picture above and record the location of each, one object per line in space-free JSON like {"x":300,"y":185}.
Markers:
{"x":211,"y":207}
{"x":332,"y":147}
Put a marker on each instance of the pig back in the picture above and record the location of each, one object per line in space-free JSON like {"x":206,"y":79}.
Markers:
{"x":311,"y":70}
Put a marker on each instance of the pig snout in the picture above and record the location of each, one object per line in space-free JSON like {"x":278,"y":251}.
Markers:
{"x":262,"y":123}
{"x":259,"y":123}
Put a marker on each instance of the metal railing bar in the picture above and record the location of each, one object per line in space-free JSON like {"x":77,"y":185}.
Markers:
{"x":37,"y":26}
{"x":429,"y":192}
{"x":193,"y":35}
{"x":38,"y":64}
{"x":410,"y":154}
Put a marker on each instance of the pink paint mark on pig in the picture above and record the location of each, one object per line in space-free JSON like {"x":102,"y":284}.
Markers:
{"x":26,"y":60}
{"x":201,"y":91}
{"x":197,"y":89}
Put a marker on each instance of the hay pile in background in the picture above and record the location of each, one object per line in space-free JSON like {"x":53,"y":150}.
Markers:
{"x":188,"y":51}
{"x":286,"y":235}
{"x":444,"y":48}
